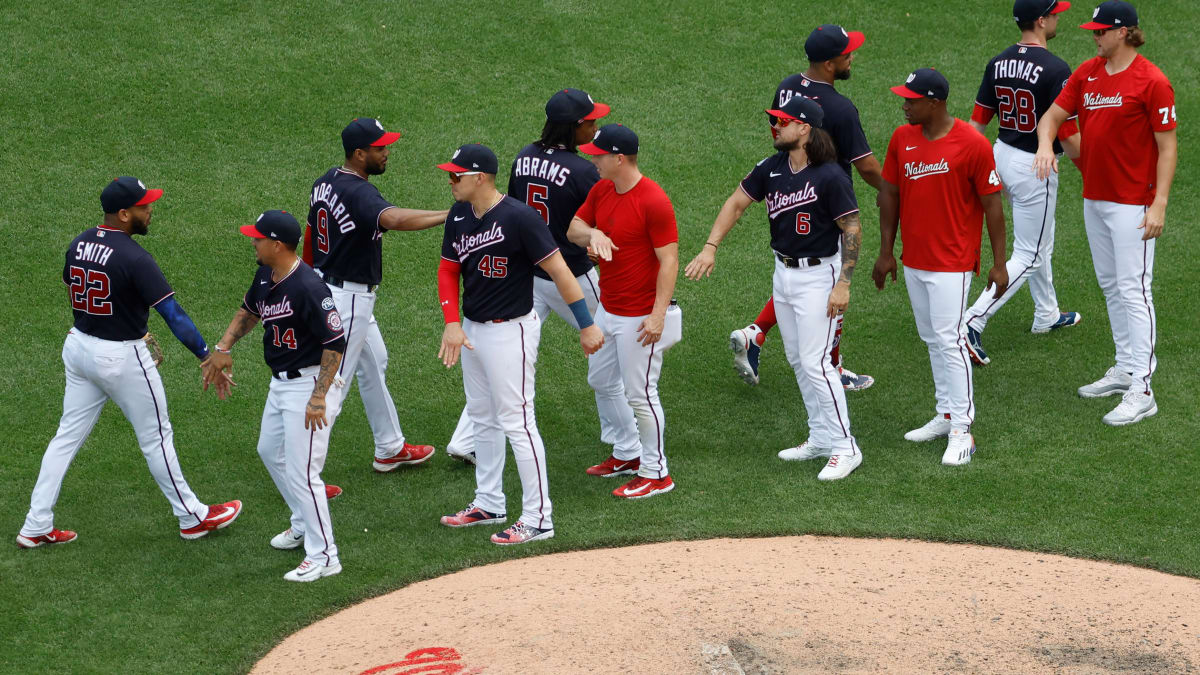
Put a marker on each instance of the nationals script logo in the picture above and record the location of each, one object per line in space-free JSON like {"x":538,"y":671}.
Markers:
{"x":1094,"y":101}
{"x":918,"y":170}
{"x":777,"y":202}
{"x":275,"y":310}
{"x":469,"y":243}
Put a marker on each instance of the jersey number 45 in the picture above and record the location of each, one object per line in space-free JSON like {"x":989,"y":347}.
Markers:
{"x":493,"y":267}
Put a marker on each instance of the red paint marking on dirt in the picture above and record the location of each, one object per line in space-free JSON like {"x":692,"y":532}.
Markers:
{"x":426,"y":661}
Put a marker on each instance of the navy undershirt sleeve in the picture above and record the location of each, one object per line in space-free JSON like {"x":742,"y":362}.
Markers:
{"x":182,"y":326}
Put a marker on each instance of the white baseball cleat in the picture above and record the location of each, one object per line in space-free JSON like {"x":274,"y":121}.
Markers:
{"x":840,"y":466}
{"x":959,"y":449}
{"x":934,"y":429}
{"x":311,"y":571}
{"x":1065,"y":319}
{"x":1115,"y":381}
{"x":805,"y":450}
{"x":744,"y":343}
{"x":287,"y":540}
{"x":1135,"y":406}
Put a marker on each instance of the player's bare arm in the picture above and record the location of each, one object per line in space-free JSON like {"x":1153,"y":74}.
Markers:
{"x":314,"y":412}
{"x":397,"y":218}
{"x":839,"y":297}
{"x":1168,"y":157}
{"x":870,"y":171}
{"x":702,"y":265}
{"x":1044,"y":161}
{"x":218,"y":368}
{"x":590,"y":337}
{"x":651,"y":328}
{"x":889,"y":224}
{"x":591,"y":238}
{"x":993,"y":211}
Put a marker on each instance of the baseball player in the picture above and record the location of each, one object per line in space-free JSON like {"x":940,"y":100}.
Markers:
{"x":551,"y":178}
{"x":809,"y":202}
{"x":1126,"y":109}
{"x":939,"y":182}
{"x":492,"y":242}
{"x":347,"y":218}
{"x":830,"y":51}
{"x":628,"y":221}
{"x":112,"y":284}
{"x":1020,"y":84}
{"x":303,"y":342}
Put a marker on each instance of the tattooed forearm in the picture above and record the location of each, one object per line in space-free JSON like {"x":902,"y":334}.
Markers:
{"x":851,"y":243}
{"x":330,"y":360}
{"x":243,"y":323}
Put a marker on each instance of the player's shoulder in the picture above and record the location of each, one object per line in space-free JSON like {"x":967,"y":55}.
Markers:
{"x":969,"y":133}
{"x":306,"y":277}
{"x":603,"y":188}
{"x":794,"y":82}
{"x":1090,"y":66}
{"x":650,"y":189}
{"x":326,"y":177}
{"x":514,"y":209}
{"x":1147,"y":70}
{"x":772,"y":161}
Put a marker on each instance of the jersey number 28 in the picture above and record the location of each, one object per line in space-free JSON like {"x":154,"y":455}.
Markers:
{"x":89,"y":291}
{"x":1017,"y":109}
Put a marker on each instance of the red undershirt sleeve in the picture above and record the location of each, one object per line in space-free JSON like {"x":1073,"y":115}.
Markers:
{"x":448,"y":274}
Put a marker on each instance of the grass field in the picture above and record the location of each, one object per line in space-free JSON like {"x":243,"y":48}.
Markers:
{"x":235,"y":107}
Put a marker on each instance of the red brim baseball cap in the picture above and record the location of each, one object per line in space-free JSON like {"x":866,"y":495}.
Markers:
{"x":387,"y":139}
{"x":781,"y":114}
{"x":1060,"y":8}
{"x":152,"y":194}
{"x":451,"y":166}
{"x":251,"y":230}
{"x":600,"y":110}
{"x":856,"y":40}
{"x":904,"y":91}
{"x":593,"y":149}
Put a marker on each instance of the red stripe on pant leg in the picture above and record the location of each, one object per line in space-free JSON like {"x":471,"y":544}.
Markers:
{"x":658,"y":434}
{"x":525,"y":423}
{"x":828,"y":330}
{"x":162,"y":445}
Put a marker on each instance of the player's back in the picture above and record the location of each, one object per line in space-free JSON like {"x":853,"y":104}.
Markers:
{"x":1020,"y":84}
{"x":343,"y":216}
{"x":112,"y":283}
{"x":841,"y":116}
{"x":554,"y":182}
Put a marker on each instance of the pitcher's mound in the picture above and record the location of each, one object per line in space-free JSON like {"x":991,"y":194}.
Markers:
{"x":781,"y":605}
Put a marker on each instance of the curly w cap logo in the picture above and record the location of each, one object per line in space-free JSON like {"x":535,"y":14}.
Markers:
{"x":844,"y":32}
{"x":455,"y":155}
{"x":260,"y":216}
{"x":1095,"y":12}
{"x":911,"y":77}
{"x":141,"y":185}
{"x":379,"y":125}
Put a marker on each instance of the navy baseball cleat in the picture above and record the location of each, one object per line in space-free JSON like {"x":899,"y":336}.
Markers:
{"x":1064,"y":319}
{"x":745,"y":353}
{"x":975,"y":347}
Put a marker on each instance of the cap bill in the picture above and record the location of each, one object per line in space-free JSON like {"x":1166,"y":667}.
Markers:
{"x":600,"y":110}
{"x":1093,"y":25}
{"x":451,"y":166}
{"x":151,"y":196}
{"x":388,"y":138}
{"x":856,"y":40}
{"x":1060,"y":8}
{"x":903,"y":90}
{"x":593,"y":149}
{"x":781,"y":114}
{"x":251,"y":231}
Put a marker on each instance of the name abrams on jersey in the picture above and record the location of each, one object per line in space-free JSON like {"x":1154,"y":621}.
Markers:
{"x":298,"y":316}
{"x":541,"y":168}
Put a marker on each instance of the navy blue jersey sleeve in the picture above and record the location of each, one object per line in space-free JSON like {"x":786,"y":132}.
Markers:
{"x":149,"y":281}
{"x":369,"y":205}
{"x":755,"y":182}
{"x":322,"y":316}
{"x":987,"y":89}
{"x":535,"y":236}
{"x":839,"y":194}
{"x":583,"y":182}
{"x":848,"y":136}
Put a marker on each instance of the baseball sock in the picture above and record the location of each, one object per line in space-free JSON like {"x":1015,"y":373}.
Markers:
{"x":836,"y":354}
{"x":765,"y":321}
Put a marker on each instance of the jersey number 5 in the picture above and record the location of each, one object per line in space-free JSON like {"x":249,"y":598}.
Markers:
{"x":535,"y":196}
{"x":802,"y":224}
{"x":89,"y":291}
{"x":1017,"y":109}
{"x":322,"y":230}
{"x":493,"y":268}
{"x":288,"y":338}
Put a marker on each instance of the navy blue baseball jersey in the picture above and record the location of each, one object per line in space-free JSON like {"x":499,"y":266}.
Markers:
{"x":841,"y":116}
{"x":1019,"y":85}
{"x":802,"y":205}
{"x":113,"y":282}
{"x":497,"y":254}
{"x":298,"y":317}
{"x":554,"y":182}
{"x":343,"y":215}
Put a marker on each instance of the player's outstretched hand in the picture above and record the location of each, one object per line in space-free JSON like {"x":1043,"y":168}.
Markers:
{"x":702,"y":265}
{"x":314,"y":413}
{"x":1044,"y":162}
{"x":601,"y":245}
{"x":1154,"y":221}
{"x":839,"y":299}
{"x":591,"y":339}
{"x":885,"y":264}
{"x":453,"y":340}
{"x":217,"y":370}
{"x":651,"y":329}
{"x":998,"y":279}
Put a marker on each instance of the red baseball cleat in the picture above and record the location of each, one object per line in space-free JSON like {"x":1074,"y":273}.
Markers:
{"x":332,"y":491}
{"x":615,"y":467}
{"x":51,"y":537}
{"x":409,"y":454}
{"x":641,"y":487}
{"x":219,"y":516}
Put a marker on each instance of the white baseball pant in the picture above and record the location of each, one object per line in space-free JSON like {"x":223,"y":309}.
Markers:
{"x":96,"y":371}
{"x":801,"y":306}
{"x":1033,"y":204}
{"x":1125,"y":269}
{"x":938,"y":302}
{"x":498,"y":379}
{"x":366,"y":358}
{"x":639,"y":367}
{"x":295,"y":456}
{"x":617,"y":427}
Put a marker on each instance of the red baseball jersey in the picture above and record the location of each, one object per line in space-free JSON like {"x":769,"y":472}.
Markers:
{"x":1118,"y":115}
{"x":941,"y":215}
{"x":638,"y":222}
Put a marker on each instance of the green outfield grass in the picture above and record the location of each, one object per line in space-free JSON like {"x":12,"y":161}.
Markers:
{"x":235,"y":107}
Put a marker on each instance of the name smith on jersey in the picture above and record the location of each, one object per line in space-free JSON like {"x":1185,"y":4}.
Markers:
{"x":92,"y":252}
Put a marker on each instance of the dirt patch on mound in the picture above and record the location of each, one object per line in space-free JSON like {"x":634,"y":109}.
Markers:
{"x":780,"y":605}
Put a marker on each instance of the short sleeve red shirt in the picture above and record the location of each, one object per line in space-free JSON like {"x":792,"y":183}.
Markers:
{"x":1118,"y":115}
{"x":638,"y":222}
{"x":941,"y":215}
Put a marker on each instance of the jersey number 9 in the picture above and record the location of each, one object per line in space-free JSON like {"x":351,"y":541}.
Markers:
{"x":322,"y":230}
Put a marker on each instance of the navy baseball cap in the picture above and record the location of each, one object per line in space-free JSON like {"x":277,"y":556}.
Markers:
{"x":830,"y":41}
{"x":277,"y":225}
{"x":1112,"y":14}
{"x":363,"y":132}
{"x":126,"y":191}
{"x":573,"y":105}
{"x":802,"y":109}
{"x":1032,"y":10}
{"x":924,"y":83}
{"x":612,"y":139}
{"x":472,"y":157}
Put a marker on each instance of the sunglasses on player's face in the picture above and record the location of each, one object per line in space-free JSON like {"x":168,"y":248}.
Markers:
{"x":781,"y":122}
{"x":457,"y":176}
{"x":1101,"y":31}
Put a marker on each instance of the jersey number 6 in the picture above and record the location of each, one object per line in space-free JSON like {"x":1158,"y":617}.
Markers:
{"x":802,"y":225}
{"x":535,"y":196}
{"x":89,"y":291}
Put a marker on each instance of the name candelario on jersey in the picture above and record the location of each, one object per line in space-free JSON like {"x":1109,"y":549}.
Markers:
{"x":1017,"y":69}
{"x":469,"y":243}
{"x":92,"y":252}
{"x":537,"y":167}
{"x":1094,"y":101}
{"x":778,"y":201}
{"x":917,"y":170}
{"x":324,"y":194}
{"x":274,"y":310}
